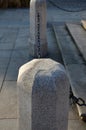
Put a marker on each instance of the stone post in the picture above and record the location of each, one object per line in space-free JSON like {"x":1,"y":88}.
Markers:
{"x":43,"y":92}
{"x":38,"y":40}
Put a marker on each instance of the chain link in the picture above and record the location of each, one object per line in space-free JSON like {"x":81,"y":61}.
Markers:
{"x":79,"y":101}
{"x":38,"y":35}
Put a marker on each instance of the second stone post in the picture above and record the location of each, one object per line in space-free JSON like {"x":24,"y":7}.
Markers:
{"x":38,"y":40}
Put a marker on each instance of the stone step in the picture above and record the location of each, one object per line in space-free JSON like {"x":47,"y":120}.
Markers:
{"x":83,"y":23}
{"x":74,"y":64}
{"x":79,"y":36}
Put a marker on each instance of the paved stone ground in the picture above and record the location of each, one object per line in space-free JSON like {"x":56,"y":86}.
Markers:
{"x":14,"y":35}
{"x":70,"y":5}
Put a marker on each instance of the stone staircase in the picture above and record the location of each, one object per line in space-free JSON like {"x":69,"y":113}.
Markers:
{"x":71,"y":40}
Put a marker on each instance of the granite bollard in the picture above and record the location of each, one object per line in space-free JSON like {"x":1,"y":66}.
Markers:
{"x":43,"y":92}
{"x":37,"y":39}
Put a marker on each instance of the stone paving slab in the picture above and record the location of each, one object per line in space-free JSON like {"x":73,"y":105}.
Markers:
{"x":6,"y":46}
{"x":8,"y":37}
{"x":23,"y":32}
{"x":8,"y":100}
{"x":76,"y":69}
{"x":68,"y":50}
{"x":73,"y":113}
{"x":14,"y":66}
{"x":2,"y":76}
{"x":5,"y":30}
{"x":11,"y":74}
{"x":9,"y":124}
{"x":3,"y":63}
{"x":76,"y":125}
{"x":3,"y":68}
{"x":79,"y":36}
{"x":53,"y":50}
{"x":5,"y":53}
{"x":22,"y":42}
{"x":20,"y":53}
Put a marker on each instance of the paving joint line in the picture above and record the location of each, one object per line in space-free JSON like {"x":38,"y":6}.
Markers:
{"x":9,"y":61}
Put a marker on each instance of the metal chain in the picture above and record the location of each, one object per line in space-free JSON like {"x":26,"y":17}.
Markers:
{"x":79,"y":101}
{"x":38,"y":35}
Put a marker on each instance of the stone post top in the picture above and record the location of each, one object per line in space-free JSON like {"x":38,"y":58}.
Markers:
{"x":43,"y":63}
{"x":29,"y":70}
